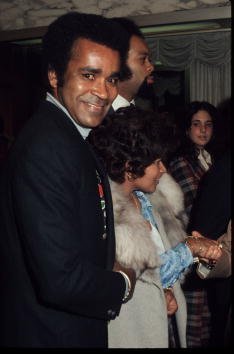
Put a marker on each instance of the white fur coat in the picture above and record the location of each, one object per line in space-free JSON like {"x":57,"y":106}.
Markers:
{"x":135,"y":247}
{"x":168,"y":201}
{"x":143,"y":321}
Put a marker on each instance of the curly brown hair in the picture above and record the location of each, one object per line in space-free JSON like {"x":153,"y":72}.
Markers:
{"x":130,"y":140}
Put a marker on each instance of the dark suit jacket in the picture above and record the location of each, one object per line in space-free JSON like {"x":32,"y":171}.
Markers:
{"x":210,"y":216}
{"x":211,"y":209}
{"x":57,"y":289}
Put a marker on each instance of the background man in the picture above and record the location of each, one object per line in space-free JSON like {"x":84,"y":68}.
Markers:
{"x":138,"y":62}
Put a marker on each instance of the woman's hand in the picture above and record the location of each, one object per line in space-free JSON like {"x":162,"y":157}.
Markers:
{"x":203,"y":247}
{"x":171,"y":302}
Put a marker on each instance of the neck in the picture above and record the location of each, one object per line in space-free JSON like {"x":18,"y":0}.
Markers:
{"x":199,"y":147}
{"x":135,"y":201}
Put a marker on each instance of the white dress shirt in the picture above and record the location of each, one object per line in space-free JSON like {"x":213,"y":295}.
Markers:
{"x":83,"y":131}
{"x":120,"y":101}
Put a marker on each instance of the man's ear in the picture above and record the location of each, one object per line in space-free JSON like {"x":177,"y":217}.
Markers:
{"x":53,"y":80}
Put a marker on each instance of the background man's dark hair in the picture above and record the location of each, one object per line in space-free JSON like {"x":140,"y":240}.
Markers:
{"x":129,"y":26}
{"x":133,"y":30}
{"x":58,"y":42}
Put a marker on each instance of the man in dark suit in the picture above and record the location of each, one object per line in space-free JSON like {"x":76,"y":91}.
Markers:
{"x":57,"y":245}
{"x":211,"y":210}
{"x":210,"y":215}
{"x":139,"y":64}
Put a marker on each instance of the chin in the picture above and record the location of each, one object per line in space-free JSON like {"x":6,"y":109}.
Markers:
{"x":97,"y":122}
{"x":151,"y":190}
{"x":94,"y":120}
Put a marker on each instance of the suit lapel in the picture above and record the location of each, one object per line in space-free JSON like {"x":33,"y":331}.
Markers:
{"x":109,"y":210}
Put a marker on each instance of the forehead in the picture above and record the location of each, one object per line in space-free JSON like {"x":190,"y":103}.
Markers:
{"x":138,"y":46}
{"x":91,"y":53}
{"x":202,"y":116}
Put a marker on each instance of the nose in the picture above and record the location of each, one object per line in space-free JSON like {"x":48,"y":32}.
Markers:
{"x":150,"y":67}
{"x":202,"y":128}
{"x":100,"y":89}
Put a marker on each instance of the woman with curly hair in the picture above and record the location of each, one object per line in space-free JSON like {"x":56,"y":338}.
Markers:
{"x":131,"y":143}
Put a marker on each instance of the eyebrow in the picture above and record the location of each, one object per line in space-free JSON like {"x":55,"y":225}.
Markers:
{"x":98,"y":71}
{"x":198,"y":120}
{"x":144,"y":53}
{"x":90,"y":69}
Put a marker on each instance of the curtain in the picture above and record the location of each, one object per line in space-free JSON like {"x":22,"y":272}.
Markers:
{"x":207,"y":58}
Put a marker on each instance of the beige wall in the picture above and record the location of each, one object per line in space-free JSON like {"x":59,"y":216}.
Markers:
{"x":20,"y":14}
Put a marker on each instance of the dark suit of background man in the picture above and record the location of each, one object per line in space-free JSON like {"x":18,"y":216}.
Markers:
{"x":57,"y":246}
{"x":210,"y":215}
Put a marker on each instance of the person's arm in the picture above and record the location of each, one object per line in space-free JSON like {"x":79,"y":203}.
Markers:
{"x":222,"y":268}
{"x":176,"y":260}
{"x":61,"y":239}
{"x":130,"y":280}
{"x":171,"y":302}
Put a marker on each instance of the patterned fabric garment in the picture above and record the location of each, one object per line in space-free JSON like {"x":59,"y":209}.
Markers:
{"x":188,"y":174}
{"x":198,"y":323}
{"x":174,"y":261}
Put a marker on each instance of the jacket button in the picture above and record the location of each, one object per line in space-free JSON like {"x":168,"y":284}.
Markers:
{"x":104,"y":236}
{"x":111,"y":314}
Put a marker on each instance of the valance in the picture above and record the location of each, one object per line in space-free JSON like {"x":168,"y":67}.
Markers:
{"x":178,"y":52}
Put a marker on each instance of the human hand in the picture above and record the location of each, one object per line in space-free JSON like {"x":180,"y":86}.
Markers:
{"x":204,"y":248}
{"x":171,"y":302}
{"x":130,"y":273}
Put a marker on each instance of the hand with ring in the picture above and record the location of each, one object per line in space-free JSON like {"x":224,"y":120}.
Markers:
{"x":203,"y":247}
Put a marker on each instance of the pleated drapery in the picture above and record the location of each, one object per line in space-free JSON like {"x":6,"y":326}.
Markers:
{"x":205,"y":56}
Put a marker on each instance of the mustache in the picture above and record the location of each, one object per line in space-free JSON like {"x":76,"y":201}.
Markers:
{"x":144,"y":89}
{"x":97,"y":101}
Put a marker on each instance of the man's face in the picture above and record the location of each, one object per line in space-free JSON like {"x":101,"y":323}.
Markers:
{"x":139,"y":64}
{"x":90,"y":82}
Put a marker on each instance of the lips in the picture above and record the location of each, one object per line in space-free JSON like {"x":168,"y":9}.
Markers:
{"x":96,"y":105}
{"x":94,"y":108}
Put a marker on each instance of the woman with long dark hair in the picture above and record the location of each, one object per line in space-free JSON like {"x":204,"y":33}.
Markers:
{"x":191,"y":161}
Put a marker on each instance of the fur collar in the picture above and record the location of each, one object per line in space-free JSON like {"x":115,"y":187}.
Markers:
{"x":168,"y":202}
{"x":134,"y":245}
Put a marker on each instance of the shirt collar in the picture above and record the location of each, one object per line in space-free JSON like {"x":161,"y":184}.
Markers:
{"x":142,"y":197}
{"x":83,"y":131}
{"x":146,"y":208}
{"x":120,"y":101}
{"x":205,"y":159}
